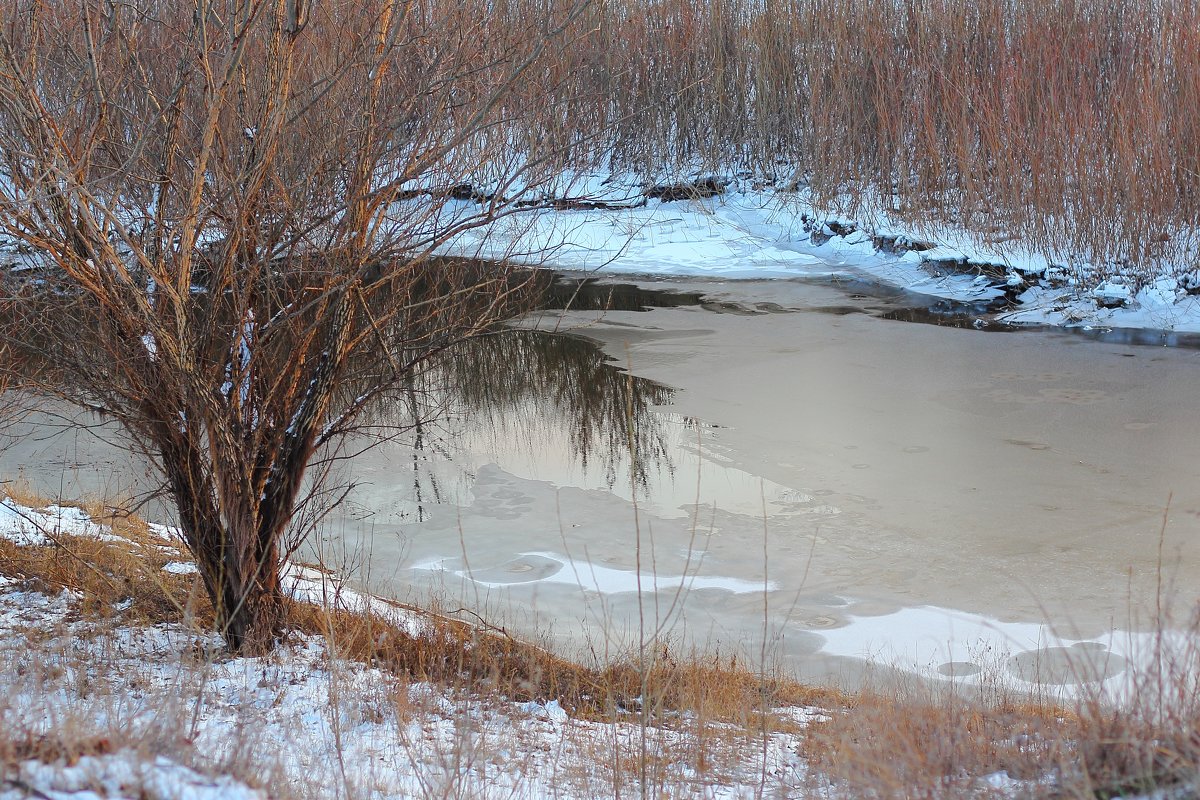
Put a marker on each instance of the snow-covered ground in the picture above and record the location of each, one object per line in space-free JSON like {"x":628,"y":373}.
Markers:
{"x":162,"y":712}
{"x":753,"y":232}
{"x":171,"y":725}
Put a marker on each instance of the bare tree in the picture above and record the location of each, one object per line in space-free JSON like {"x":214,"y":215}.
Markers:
{"x":236,"y":206}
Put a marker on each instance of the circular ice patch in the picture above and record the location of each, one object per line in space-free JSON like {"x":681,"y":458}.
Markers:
{"x":820,"y":621}
{"x":1064,"y":666}
{"x":959,"y":669}
{"x":525,"y":569}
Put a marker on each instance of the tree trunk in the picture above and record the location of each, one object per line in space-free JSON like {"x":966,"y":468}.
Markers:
{"x":251,"y":612}
{"x":238,"y":561}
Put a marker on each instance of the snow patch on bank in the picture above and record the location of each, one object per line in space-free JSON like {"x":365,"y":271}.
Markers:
{"x":746,"y":227}
{"x":27,"y":526}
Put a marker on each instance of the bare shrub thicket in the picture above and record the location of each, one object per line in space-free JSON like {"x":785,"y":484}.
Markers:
{"x":236,"y":204}
{"x":1067,"y":123}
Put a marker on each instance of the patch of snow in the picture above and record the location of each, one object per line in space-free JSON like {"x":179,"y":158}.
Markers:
{"x":1069,"y":307}
{"x":30,"y":527}
{"x":126,"y":774}
{"x":1112,"y":293}
{"x":714,"y":237}
{"x":1164,"y":293}
{"x":320,"y":588}
{"x":151,"y":345}
{"x":27,"y":526}
{"x":1004,"y":785}
{"x":21,"y":609}
{"x":551,"y":711}
{"x":751,"y":232}
{"x":167,"y":532}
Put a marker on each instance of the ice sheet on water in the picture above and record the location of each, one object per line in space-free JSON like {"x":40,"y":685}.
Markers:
{"x":544,"y":567}
{"x":968,"y":648}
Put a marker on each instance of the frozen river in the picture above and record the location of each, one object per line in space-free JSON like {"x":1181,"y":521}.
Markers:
{"x":937,"y":498}
{"x":952,"y":501}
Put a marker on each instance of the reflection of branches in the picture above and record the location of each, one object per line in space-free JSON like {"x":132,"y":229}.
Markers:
{"x":532,"y":381}
{"x":538,"y":381}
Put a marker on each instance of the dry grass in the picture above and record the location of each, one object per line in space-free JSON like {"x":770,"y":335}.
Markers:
{"x":942,"y":747}
{"x":1069,"y":124}
{"x":937,"y":746}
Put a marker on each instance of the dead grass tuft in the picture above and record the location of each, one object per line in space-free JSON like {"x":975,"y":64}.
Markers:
{"x":454,"y":653}
{"x":67,"y":746}
{"x":937,"y":746}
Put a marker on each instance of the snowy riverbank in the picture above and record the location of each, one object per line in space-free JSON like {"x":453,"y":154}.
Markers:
{"x":742,"y":227}
{"x":99,"y":704}
{"x":108,"y":707}
{"x":750,"y":231}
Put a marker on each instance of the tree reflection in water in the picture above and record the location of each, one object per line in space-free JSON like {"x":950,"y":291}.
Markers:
{"x":534,"y":387}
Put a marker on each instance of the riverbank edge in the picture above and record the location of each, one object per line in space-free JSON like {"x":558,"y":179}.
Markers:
{"x":743,"y":226}
{"x":119,"y":573}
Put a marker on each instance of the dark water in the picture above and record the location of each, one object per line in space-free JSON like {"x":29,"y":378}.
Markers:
{"x":861,"y":297}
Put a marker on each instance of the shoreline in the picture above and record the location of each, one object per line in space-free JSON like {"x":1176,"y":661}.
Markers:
{"x":748,"y":231}
{"x":340,"y":696}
